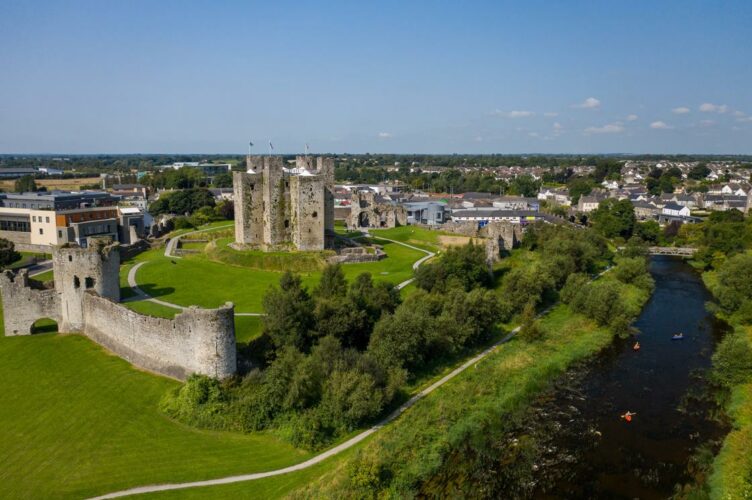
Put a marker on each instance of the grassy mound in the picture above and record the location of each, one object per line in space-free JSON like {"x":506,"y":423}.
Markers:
{"x":220,"y":251}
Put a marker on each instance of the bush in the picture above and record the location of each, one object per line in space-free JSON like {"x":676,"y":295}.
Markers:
{"x":8,"y":254}
{"x":465,"y":265}
{"x":732,"y":360}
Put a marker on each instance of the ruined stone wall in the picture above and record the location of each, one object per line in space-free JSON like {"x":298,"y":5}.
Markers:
{"x":248,"y":201}
{"x":498,"y":235}
{"x":23,"y":305}
{"x":366,"y":211}
{"x":195,"y":341}
{"x":325,"y":168}
{"x":276,"y":203}
{"x":308,"y":212}
{"x":80,"y":269}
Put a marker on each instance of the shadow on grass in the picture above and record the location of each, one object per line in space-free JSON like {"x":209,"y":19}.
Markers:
{"x":155,"y":291}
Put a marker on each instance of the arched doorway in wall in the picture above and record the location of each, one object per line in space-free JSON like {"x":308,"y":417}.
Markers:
{"x":44,"y":325}
{"x":363,"y":219}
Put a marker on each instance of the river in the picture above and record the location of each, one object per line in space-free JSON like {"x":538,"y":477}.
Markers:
{"x":577,"y":444}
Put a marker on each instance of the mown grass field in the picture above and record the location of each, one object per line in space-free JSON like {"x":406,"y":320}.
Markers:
{"x":76,"y":421}
{"x":197,"y":280}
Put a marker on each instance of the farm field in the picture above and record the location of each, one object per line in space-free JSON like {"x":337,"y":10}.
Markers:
{"x":52,"y":184}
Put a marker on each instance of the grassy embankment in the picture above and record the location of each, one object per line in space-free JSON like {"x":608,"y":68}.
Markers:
{"x":414,"y":447}
{"x":731,"y":475}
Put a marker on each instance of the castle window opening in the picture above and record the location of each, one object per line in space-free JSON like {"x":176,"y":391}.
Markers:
{"x":89,"y":282}
{"x":70,"y":258}
{"x":76,"y":282}
{"x":287,"y":223}
{"x":315,"y":214}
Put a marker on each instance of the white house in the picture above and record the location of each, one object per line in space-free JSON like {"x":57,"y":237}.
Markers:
{"x":675,"y":209}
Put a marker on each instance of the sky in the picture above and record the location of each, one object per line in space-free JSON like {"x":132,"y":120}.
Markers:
{"x":658,"y":76}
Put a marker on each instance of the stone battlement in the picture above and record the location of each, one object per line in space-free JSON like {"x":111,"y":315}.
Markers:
{"x":85,"y":300}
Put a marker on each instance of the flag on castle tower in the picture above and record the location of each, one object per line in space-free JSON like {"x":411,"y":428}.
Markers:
{"x":271,"y":146}
{"x":250,"y":143}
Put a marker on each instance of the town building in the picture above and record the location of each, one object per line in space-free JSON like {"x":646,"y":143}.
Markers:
{"x":426,"y":212}
{"x":39,"y":221}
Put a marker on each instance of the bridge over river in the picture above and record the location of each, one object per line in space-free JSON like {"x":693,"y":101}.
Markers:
{"x":677,"y":251}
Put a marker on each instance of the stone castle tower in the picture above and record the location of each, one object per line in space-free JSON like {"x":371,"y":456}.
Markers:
{"x":277,"y":208}
{"x":80,"y":269}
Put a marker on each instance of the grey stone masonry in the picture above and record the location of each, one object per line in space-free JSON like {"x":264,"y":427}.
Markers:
{"x":85,"y":300}
{"x":279,"y":208}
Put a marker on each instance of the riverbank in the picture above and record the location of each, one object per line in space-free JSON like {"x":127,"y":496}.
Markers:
{"x":731,"y":470}
{"x":481,"y":401}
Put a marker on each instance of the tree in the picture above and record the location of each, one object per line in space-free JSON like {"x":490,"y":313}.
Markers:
{"x":289,"y":313}
{"x":530,"y":330}
{"x":614,"y":218}
{"x":25,"y":184}
{"x":465,"y":265}
{"x":579,"y":186}
{"x":699,"y":172}
{"x":8,"y":254}
{"x":648,"y":231}
{"x":332,"y":283}
{"x":222,"y":181}
{"x":524,"y":185}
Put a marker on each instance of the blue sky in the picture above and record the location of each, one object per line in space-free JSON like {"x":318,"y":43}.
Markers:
{"x":424,"y":77}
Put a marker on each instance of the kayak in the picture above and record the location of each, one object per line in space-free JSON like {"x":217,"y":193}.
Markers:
{"x":677,"y":336}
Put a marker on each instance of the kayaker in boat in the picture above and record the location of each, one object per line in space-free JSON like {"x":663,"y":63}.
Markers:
{"x":677,"y":336}
{"x":636,"y":346}
{"x":628,"y":416}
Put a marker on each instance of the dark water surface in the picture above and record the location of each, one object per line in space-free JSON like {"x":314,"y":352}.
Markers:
{"x":606,"y":457}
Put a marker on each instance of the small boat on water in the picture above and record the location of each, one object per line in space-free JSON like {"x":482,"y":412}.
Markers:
{"x":677,"y":336}
{"x":636,"y":346}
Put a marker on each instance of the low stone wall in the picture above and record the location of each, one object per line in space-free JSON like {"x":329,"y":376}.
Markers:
{"x":356,"y":255}
{"x":195,"y":341}
{"x":23,"y":305}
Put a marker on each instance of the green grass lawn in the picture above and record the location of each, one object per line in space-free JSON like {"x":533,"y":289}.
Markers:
{"x":45,"y":276}
{"x":196,"y":280}
{"x":76,"y":421}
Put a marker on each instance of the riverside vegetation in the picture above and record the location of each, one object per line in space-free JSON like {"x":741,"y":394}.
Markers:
{"x":724,"y":241}
{"x":340,"y":356}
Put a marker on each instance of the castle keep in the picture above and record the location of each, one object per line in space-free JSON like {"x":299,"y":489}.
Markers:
{"x":278,"y":208}
{"x":85,"y":299}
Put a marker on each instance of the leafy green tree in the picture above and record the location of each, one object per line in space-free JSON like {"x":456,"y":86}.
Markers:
{"x":465,"y":265}
{"x":614,"y":218}
{"x":222,"y":181}
{"x":579,"y":186}
{"x":699,"y":172}
{"x":524,"y":185}
{"x":8,"y":254}
{"x":734,"y":286}
{"x":332,"y":282}
{"x":530,"y":330}
{"x":25,"y":184}
{"x":648,"y":231}
{"x":288,"y":312}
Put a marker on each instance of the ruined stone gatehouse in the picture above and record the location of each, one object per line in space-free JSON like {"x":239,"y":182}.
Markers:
{"x":279,"y":208}
{"x":369,"y":210}
{"x":85,"y":299}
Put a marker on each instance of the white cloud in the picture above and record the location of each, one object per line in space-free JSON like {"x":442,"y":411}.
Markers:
{"x":385,"y":135}
{"x":534,"y":134}
{"x":744,"y":119}
{"x":631,"y":118}
{"x":550,"y":114}
{"x":478,"y":139}
{"x":681,"y":110}
{"x":707,"y":123}
{"x":611,"y":128}
{"x":589,"y":103}
{"x":739,"y":114}
{"x":514,"y":113}
{"x":709,"y":107}
{"x":557,"y":126}
{"x":659,"y":125}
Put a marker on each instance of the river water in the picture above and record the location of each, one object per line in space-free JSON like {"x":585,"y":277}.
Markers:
{"x":662,"y":383}
{"x":572,"y":441}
